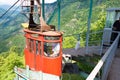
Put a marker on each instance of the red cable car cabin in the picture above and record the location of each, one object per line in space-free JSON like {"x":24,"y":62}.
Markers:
{"x":43,"y":51}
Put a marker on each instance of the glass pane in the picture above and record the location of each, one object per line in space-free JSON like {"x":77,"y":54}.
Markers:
{"x":51,"y":38}
{"x":110,"y":19}
{"x":31,"y":45}
{"x":51,"y":49}
{"x":117,"y":15}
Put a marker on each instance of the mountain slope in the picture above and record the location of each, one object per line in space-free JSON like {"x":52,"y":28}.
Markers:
{"x":73,"y":20}
{"x":74,"y":16}
{"x":10,"y":26}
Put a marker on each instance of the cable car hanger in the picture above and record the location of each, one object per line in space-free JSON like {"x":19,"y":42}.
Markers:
{"x":43,"y":25}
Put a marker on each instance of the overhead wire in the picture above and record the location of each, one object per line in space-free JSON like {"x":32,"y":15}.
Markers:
{"x":52,"y":14}
{"x":4,"y":21}
{"x":9,"y":9}
{"x":69,"y":1}
{"x":9,"y":16}
{"x":5,"y":37}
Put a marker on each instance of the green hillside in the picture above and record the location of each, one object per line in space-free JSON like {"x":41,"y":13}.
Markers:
{"x":10,"y":29}
{"x":74,"y":16}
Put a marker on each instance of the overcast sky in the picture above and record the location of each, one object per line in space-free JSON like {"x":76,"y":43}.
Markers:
{"x":10,"y":2}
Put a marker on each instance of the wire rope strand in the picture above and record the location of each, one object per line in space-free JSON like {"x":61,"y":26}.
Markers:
{"x":3,"y":22}
{"x":9,"y":9}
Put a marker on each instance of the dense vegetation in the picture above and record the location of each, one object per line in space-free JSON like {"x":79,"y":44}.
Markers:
{"x":74,"y":17}
{"x":10,"y":31}
{"x":8,"y":60}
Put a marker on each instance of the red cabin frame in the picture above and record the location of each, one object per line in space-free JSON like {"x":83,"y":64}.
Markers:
{"x":34,"y":52}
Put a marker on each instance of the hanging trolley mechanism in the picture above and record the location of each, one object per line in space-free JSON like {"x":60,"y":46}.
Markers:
{"x":43,"y":48}
{"x":32,"y":8}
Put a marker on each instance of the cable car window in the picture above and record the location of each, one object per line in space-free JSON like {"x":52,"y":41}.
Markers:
{"x":31,"y":45}
{"x":51,"y":38}
{"x":110,"y":19}
{"x":51,"y":49}
{"x":37,"y":52}
{"x":40,"y":49}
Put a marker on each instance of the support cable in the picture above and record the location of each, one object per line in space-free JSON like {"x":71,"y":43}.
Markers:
{"x":59,"y":6}
{"x":89,"y":25}
{"x":11,"y":14}
{"x":9,"y":9}
{"x":52,"y":15}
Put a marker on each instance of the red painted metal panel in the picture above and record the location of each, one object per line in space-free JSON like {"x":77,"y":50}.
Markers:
{"x":38,"y":63}
{"x":26,"y":55}
{"x":29,"y":59}
{"x":34,"y":53}
{"x":52,"y":65}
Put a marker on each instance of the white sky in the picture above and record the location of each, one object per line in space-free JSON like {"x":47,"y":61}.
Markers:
{"x":10,"y":2}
